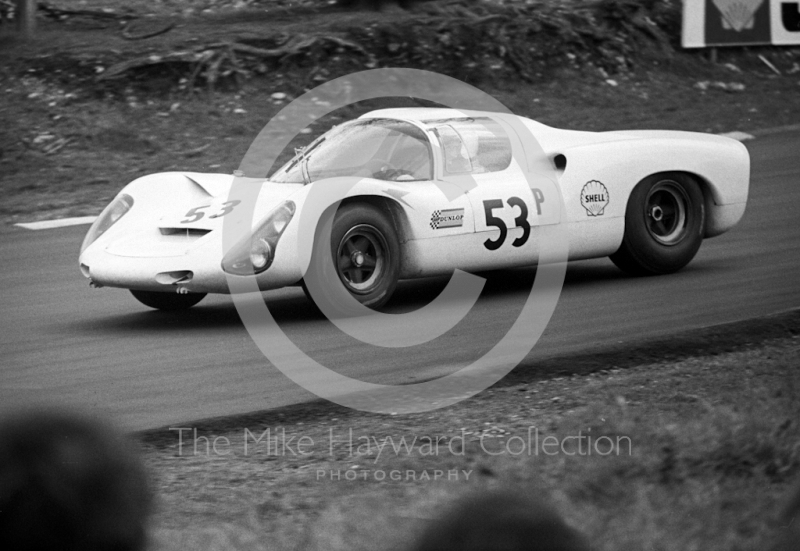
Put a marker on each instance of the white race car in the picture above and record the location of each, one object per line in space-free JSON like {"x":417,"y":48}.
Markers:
{"x":645,"y":198}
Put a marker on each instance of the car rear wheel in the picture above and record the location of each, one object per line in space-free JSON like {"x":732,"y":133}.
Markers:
{"x":167,"y":301}
{"x":366,"y":254}
{"x":664,"y":224}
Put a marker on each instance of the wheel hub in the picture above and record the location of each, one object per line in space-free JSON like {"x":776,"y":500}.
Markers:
{"x":656,"y":213}
{"x":360,"y":258}
{"x":666,"y":209}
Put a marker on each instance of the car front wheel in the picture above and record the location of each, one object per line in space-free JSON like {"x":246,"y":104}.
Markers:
{"x":366,"y":254}
{"x":664,"y":224}
{"x":167,"y":301}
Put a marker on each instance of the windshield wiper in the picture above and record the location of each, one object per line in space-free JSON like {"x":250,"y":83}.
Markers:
{"x":304,"y":171}
{"x":298,"y":155}
{"x":302,"y":153}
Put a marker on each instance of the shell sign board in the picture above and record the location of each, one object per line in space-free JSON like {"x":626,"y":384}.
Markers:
{"x":740,"y":22}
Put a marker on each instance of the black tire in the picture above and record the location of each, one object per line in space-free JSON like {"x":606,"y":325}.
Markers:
{"x":664,"y":225}
{"x":167,"y":301}
{"x":366,"y":254}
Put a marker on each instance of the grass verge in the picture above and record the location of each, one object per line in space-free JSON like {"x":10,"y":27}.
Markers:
{"x":691,"y":452}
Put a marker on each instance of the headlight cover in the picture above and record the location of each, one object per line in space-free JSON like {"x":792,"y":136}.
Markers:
{"x":111,"y":214}
{"x":255,"y":253}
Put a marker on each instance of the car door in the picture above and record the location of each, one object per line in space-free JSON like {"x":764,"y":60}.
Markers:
{"x":507,"y":210}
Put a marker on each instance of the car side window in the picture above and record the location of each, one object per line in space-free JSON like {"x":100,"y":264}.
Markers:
{"x":474,"y":145}
{"x":456,"y":157}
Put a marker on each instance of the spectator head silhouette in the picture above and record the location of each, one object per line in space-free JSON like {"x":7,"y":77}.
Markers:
{"x":68,"y":482}
{"x":499,"y":521}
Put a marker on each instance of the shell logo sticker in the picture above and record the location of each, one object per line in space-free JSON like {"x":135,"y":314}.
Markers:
{"x":594,"y":198}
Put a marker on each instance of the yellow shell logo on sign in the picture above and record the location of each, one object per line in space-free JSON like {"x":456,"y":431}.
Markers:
{"x":738,"y":14}
{"x":739,"y":22}
{"x":594,"y":198}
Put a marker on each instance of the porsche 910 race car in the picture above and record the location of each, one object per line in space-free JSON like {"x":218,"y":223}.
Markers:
{"x":646,"y":199}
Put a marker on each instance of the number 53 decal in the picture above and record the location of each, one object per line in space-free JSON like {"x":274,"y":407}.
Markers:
{"x":196,"y":213}
{"x":521,"y":220}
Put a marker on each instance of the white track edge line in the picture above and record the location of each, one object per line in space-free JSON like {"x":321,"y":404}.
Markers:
{"x":60,"y":223}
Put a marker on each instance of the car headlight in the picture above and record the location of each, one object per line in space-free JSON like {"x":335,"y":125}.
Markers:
{"x":255,"y":253}
{"x":110,"y":216}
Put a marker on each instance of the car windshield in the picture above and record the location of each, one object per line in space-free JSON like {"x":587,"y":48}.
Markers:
{"x":374,"y":148}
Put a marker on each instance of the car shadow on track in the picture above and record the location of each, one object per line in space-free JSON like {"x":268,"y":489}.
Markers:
{"x":297,"y":309}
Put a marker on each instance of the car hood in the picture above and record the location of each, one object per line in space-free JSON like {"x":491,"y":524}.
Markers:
{"x":166,"y":225}
{"x":214,"y":191}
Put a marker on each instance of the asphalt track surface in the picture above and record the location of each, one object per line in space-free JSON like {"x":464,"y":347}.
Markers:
{"x":67,"y":344}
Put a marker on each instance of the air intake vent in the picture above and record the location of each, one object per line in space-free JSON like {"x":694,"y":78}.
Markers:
{"x":185,"y":232}
{"x":173,"y":278}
